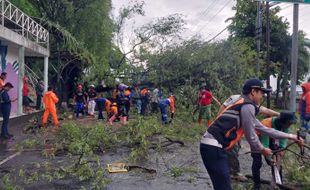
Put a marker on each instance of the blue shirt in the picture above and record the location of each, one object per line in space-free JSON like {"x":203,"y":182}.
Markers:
{"x":5,"y":98}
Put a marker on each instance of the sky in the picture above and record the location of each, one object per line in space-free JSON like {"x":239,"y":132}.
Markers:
{"x":204,"y":17}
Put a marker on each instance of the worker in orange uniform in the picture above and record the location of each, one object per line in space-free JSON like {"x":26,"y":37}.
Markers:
{"x":145,"y":99}
{"x":163,"y":105}
{"x":50,"y":99}
{"x":103,"y":103}
{"x":304,"y":107}
{"x":113,"y":113}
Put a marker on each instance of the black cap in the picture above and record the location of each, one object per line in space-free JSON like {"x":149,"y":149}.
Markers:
{"x":287,"y":116}
{"x":254,"y":84}
{"x":8,"y":84}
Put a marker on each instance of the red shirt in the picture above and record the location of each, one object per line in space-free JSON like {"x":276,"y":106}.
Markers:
{"x":204,"y":97}
{"x":25,"y":89}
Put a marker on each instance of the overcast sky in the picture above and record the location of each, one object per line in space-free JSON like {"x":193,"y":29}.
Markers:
{"x":204,"y":17}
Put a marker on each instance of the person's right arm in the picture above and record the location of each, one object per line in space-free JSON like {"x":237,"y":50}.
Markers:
{"x":276,"y":134}
{"x":248,"y":122}
{"x":270,"y":132}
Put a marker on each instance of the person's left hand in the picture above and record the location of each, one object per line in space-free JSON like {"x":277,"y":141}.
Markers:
{"x":300,"y":141}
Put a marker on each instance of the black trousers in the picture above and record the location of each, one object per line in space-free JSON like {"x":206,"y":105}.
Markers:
{"x":145,"y":102}
{"x":100,"y":110}
{"x":39,"y":100}
{"x":256,"y":166}
{"x":216,"y":163}
{"x":5,"y":110}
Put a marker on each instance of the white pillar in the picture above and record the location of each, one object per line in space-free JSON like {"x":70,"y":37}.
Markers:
{"x":21,"y":73}
{"x":2,"y":12}
{"x":294,"y":57}
{"x":45,"y":73}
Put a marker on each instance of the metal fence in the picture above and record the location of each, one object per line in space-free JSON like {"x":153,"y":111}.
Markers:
{"x":16,"y":20}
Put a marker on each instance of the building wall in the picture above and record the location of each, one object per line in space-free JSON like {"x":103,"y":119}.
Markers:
{"x":11,"y":67}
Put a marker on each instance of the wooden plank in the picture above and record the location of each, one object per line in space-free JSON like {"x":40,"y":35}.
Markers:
{"x":10,"y":157}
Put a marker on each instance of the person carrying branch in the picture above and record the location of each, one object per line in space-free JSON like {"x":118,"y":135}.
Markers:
{"x":205,"y":98}
{"x":233,"y":153}
{"x":280,"y":123}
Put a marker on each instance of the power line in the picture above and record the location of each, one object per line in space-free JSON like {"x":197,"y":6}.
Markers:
{"x":226,"y":29}
{"x":218,"y":34}
{"x":220,"y":10}
{"x":211,"y":5}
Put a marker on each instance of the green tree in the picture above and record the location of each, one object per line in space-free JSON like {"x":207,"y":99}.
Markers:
{"x":243,"y":29}
{"x":223,"y":65}
{"x":80,"y":36}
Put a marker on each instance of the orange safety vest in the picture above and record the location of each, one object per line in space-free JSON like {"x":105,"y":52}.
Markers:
{"x":144,"y":92}
{"x":267,"y":122}
{"x":172,"y":108}
{"x":114,"y":109}
{"x":127,"y":92}
{"x":107,"y":105}
{"x":226,"y":128}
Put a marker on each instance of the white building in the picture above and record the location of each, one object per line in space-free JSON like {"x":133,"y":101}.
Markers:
{"x":20,"y":36}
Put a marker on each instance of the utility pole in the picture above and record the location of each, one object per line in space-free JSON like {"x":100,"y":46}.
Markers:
{"x":258,"y":36}
{"x":268,"y":51}
{"x":294,"y":61}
